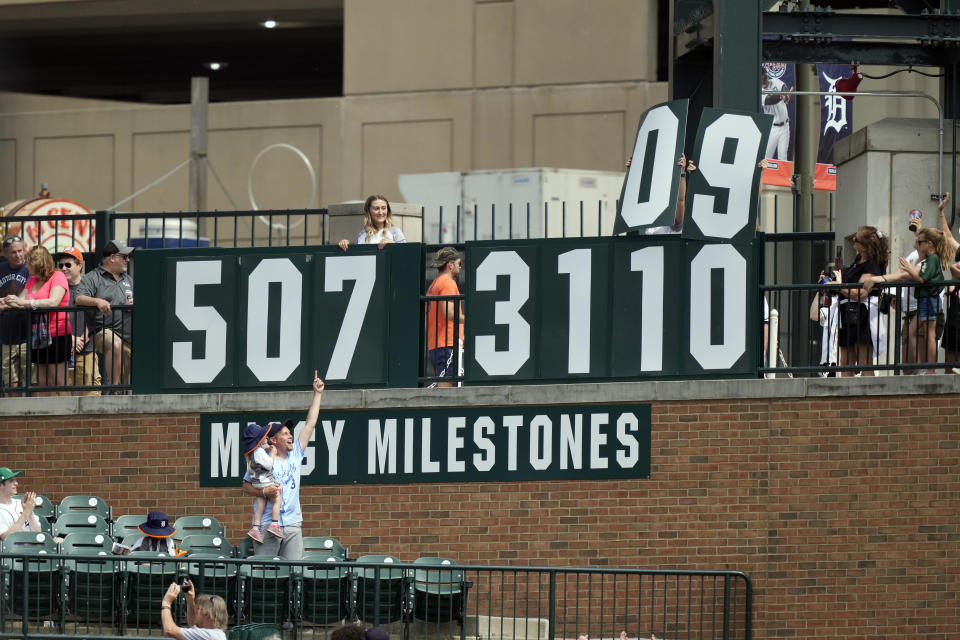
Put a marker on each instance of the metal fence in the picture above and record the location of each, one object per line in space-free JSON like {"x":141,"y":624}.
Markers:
{"x":82,"y":359}
{"x":56,"y":594}
{"x":813,"y":326}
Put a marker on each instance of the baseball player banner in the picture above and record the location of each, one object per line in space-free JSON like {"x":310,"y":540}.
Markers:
{"x":779,"y":76}
{"x":836,"y":120}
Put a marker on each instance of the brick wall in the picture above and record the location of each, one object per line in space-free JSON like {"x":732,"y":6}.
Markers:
{"x":843,"y":511}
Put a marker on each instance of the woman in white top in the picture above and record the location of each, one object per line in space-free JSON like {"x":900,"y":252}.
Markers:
{"x":15,"y":515}
{"x":378,"y":226}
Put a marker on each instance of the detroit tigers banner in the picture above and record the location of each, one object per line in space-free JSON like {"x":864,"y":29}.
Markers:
{"x":836,"y":122}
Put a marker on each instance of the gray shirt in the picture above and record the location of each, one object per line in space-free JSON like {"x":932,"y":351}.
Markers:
{"x":100,"y":283}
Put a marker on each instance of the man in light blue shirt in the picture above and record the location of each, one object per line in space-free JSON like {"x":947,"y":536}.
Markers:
{"x":286,"y":472}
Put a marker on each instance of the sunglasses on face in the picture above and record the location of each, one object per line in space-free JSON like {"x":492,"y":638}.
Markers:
{"x":65,"y":265}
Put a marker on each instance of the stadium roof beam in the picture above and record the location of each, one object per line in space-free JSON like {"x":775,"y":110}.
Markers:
{"x":935,"y":28}
{"x":881,"y":53}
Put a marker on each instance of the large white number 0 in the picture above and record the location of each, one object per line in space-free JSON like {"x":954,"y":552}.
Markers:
{"x":363,"y":270}
{"x":734,"y":266}
{"x":736,"y":177}
{"x":663,"y":123}
{"x":576,"y":264}
{"x":649,"y":261}
{"x":264,"y":367}
{"x":508,"y":362}
{"x":190,"y":274}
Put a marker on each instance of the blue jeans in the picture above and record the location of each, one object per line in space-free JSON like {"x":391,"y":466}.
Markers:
{"x":928,"y":308}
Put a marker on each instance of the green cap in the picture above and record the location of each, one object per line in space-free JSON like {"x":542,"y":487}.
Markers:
{"x":6,"y":474}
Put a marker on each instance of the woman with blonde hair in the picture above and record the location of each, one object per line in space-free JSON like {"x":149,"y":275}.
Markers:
{"x":378,"y":226}
{"x":206,"y":614}
{"x":51,"y":334}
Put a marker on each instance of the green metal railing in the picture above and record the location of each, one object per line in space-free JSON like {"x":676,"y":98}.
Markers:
{"x":57,"y":595}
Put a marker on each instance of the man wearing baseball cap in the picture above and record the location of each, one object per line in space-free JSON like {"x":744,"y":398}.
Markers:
{"x":86,"y":371}
{"x":111,"y":331}
{"x":445,"y":319}
{"x":15,"y":515}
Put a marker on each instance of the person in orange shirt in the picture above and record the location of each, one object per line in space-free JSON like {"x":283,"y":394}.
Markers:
{"x":443,"y":338}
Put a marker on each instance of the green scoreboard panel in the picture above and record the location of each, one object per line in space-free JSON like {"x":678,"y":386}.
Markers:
{"x":257,"y":319}
{"x":610,"y":308}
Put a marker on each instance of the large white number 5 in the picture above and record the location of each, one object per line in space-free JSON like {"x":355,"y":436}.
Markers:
{"x":206,"y":319}
{"x":362,"y":270}
{"x":508,"y":362}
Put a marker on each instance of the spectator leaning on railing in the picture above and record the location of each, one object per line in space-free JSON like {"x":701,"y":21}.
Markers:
{"x":14,"y":327}
{"x":51,"y":339}
{"x":86,"y":370}
{"x":112,"y":331}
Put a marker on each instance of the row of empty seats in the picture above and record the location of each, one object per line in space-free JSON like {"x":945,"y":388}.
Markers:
{"x":90,"y":514}
{"x":324,"y":588}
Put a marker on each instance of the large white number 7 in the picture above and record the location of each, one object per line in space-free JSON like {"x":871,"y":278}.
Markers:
{"x":508,"y":362}
{"x":190,"y":274}
{"x":363,"y":270}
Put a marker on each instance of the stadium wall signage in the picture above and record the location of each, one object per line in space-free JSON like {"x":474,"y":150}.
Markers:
{"x":635,"y":306}
{"x":608,"y":441}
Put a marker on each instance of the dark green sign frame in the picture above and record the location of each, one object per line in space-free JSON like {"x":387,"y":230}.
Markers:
{"x":486,"y":444}
{"x":232,"y":320}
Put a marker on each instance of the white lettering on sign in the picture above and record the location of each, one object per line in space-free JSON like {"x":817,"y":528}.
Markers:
{"x":224,"y":450}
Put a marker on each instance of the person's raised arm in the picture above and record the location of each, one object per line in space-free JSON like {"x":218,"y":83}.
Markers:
{"x":170,"y":628}
{"x":945,"y":225}
{"x":313,"y":412}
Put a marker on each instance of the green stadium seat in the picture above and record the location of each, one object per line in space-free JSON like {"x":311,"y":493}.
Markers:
{"x":324,"y":544}
{"x":254,"y":631}
{"x":324,"y":588}
{"x":77,"y":522}
{"x":146,"y":576}
{"x":380,"y":590}
{"x":189,"y":525}
{"x":89,"y":505}
{"x":126,"y":524}
{"x":39,"y":575}
{"x":265,"y":590}
{"x":207,"y":544}
{"x":439,"y":590}
{"x":82,"y":543}
{"x":92,"y":587}
{"x":212,"y":575}
{"x":245,"y":548}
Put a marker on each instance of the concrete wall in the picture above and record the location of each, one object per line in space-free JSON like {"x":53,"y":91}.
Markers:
{"x":357,"y":145}
{"x":837,"y":496}
{"x":885,"y":170}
